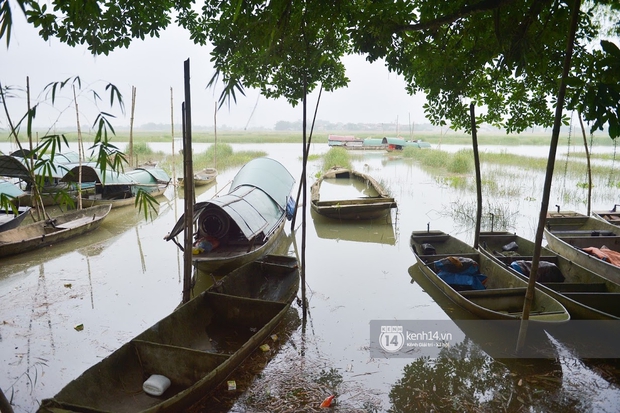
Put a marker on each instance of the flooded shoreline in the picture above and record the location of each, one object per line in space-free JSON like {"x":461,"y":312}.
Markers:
{"x":123,"y":278}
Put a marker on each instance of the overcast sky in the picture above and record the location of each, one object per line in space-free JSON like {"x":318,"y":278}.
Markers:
{"x":154,"y":66}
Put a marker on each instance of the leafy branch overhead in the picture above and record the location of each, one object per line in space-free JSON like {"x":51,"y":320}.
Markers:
{"x":503,"y":55}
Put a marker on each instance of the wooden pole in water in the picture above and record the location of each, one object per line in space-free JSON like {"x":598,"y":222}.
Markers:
{"x":305,"y":162}
{"x":303,"y":215}
{"x":215,"y":137}
{"x":80,"y":151}
{"x":133,"y":109}
{"x":544,"y":207}
{"x":174,"y":169}
{"x":474,"y":136}
{"x":188,"y":187}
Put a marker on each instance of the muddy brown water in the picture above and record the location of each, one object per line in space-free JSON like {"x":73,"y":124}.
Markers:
{"x":124,"y":277}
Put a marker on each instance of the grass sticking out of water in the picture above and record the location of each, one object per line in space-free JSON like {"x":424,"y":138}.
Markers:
{"x":226,"y":158}
{"x":495,"y":216}
{"x":462,"y":162}
{"x":337,"y":157}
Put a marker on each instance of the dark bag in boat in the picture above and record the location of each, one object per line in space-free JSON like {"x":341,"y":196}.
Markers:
{"x":428,"y":249}
{"x":548,"y":272}
{"x":511,"y":246}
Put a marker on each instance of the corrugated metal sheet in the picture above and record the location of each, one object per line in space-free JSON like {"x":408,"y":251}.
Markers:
{"x":15,"y":167}
{"x":152,"y":175}
{"x":91,"y":173}
{"x":268,"y":175}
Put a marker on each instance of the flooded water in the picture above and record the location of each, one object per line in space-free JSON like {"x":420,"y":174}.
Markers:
{"x":124,"y":277}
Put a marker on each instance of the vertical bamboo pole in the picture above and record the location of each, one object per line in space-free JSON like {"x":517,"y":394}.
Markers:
{"x":174,"y":171}
{"x":80,"y":150}
{"x":188,"y":187}
{"x":215,"y":137}
{"x":585,"y":145}
{"x":555,"y":136}
{"x":133,"y":109}
{"x":474,"y":136}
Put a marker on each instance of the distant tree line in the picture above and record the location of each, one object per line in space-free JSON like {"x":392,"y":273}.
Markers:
{"x":323,"y":125}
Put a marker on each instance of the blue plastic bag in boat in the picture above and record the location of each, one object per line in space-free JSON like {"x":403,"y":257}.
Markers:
{"x":460,"y":273}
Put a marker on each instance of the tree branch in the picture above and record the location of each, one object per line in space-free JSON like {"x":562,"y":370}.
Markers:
{"x":482,"y":6}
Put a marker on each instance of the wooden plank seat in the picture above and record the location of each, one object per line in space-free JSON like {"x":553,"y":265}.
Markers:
{"x":506,"y":300}
{"x":583,"y":232}
{"x":598,"y":242}
{"x":508,"y":259}
{"x":75,"y":223}
{"x":494,"y":292}
{"x":577,"y":287}
{"x":436,"y":257}
{"x":603,"y":301}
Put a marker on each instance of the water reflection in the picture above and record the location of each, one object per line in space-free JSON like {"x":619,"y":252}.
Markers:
{"x":379,"y":231}
{"x":496,"y":338}
{"x":124,"y":277}
{"x":346,"y":188}
{"x":484,"y":383}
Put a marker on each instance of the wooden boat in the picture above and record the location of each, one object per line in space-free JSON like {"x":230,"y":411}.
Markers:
{"x":10,"y":220}
{"x":202,"y":178}
{"x":376,"y":204}
{"x":52,"y":192}
{"x":504,"y":292}
{"x":119,"y":189}
{"x":572,"y":236}
{"x":244,"y":224}
{"x":585,"y":294}
{"x":496,"y":338}
{"x":612,"y":215}
{"x":195,"y":348}
{"x":52,"y":231}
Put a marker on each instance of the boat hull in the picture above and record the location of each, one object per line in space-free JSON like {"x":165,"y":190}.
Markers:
{"x":196,"y":347}
{"x":41,"y":234}
{"x":203,"y":178}
{"x":585,"y":294}
{"x":363,"y":208}
{"x":8,"y":220}
{"x":96,"y":200}
{"x":227,"y":258}
{"x":567,"y":236}
{"x":504,"y":295}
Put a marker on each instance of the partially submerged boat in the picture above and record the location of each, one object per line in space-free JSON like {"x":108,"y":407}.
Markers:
{"x":204,"y":177}
{"x":40,"y":234}
{"x":375,"y":203}
{"x":477,"y":283}
{"x":590,"y":242}
{"x":244,"y":224}
{"x":585,"y":294}
{"x":178,"y":360}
